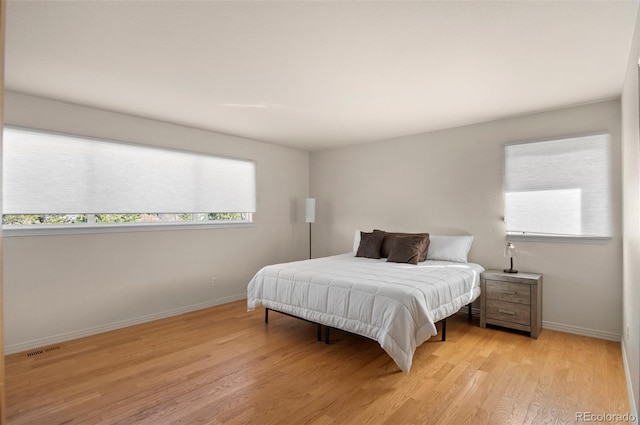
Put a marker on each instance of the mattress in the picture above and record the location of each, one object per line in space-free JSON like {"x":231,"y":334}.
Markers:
{"x":395,"y":304}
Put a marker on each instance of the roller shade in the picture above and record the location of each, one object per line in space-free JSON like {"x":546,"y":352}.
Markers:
{"x":558,"y":187}
{"x":57,"y":174}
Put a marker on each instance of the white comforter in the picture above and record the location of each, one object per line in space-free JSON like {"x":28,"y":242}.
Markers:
{"x":394,"y":304}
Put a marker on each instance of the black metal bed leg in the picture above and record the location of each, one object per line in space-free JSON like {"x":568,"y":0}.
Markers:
{"x":266,"y":315}
{"x":326,"y":334}
{"x":470,"y":313}
{"x":444,"y":329}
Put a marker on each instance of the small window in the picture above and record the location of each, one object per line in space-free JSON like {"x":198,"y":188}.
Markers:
{"x":52,"y":180}
{"x":558,"y":188}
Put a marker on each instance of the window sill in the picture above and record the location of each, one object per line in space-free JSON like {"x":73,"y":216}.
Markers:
{"x":50,"y":230}
{"x":594,"y":240}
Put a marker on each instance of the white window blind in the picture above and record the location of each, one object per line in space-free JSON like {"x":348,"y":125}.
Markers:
{"x":558,"y":187}
{"x":54,"y":173}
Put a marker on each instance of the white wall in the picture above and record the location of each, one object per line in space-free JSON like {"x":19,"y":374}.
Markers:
{"x":631,"y":214}
{"x":452,"y":181}
{"x":61,"y":287}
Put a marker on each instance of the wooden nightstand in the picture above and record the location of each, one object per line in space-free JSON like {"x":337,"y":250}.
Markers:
{"x":511,"y":300}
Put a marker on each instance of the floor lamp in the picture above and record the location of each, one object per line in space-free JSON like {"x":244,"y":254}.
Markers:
{"x":310,"y":217}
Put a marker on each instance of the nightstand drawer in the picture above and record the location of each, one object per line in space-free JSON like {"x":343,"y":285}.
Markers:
{"x":507,"y":291}
{"x":508,"y":312}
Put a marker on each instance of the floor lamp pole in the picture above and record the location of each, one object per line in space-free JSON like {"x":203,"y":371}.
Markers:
{"x":309,"y":241}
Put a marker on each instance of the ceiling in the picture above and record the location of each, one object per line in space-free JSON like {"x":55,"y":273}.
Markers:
{"x":317,"y":75}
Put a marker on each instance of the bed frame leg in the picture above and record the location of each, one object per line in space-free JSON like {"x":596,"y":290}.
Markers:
{"x":326,"y":334}
{"x":470,"y":313}
{"x":319,"y":332}
{"x":266,"y":315}
{"x":444,"y":329}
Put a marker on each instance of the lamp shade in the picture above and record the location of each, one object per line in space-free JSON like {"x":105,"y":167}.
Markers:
{"x":510,"y":250}
{"x":310,"y":210}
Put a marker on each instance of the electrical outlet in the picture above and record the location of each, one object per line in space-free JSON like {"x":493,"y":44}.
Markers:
{"x":627,"y":331}
{"x":213,"y":281}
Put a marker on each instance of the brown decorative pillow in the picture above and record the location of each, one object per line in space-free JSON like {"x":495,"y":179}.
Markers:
{"x":389,"y":240}
{"x":407,"y":249}
{"x":370,"y":244}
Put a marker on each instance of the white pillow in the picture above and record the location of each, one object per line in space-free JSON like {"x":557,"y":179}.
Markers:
{"x":356,"y":241}
{"x":449,"y":248}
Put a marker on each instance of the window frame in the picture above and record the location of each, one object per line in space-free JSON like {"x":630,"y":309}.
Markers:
{"x":578,"y":239}
{"x":70,"y":229}
{"x":92,"y":227}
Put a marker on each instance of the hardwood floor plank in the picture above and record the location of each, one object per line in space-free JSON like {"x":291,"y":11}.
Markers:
{"x":224,"y":365}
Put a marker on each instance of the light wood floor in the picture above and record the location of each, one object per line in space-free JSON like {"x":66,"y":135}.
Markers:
{"x":224,"y":365}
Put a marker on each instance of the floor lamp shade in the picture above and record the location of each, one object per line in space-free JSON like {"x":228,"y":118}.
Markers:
{"x":310,"y":210}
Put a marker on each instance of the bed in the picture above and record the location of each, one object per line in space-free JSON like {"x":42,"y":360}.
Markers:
{"x":395,"y":304}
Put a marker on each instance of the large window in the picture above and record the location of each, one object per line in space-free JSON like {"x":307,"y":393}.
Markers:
{"x":54,"y":180}
{"x":558,"y":188}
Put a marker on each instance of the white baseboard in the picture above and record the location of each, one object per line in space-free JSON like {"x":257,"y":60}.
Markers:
{"x":610,"y":336}
{"x":627,"y":373}
{"x":68,"y":336}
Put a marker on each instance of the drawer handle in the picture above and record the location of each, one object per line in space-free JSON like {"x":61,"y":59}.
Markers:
{"x":507,"y":292}
{"x":513,"y":313}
